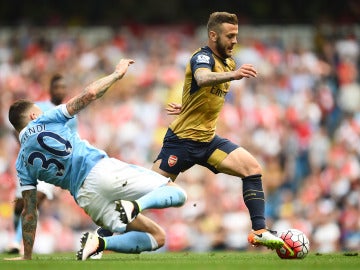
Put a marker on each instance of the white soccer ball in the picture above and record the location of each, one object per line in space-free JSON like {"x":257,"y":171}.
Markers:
{"x":296,"y":245}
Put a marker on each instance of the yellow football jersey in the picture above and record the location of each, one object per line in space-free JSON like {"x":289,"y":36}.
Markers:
{"x":201,"y":106}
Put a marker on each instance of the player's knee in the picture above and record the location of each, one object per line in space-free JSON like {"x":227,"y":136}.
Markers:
{"x":252,"y":168}
{"x":256,"y":169}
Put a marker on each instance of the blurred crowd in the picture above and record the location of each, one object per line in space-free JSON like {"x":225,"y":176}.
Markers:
{"x":300,"y":117}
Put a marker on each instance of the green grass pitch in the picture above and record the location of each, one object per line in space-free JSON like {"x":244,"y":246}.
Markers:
{"x":186,"y":261}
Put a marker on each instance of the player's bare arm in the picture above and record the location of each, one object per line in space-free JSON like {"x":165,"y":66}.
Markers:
{"x":29,"y":221}
{"x":98,"y":88}
{"x":205,"y":77}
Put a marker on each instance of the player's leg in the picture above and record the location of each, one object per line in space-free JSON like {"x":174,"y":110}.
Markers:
{"x":156,"y":168}
{"x":103,"y":210}
{"x":116,"y":181}
{"x":241,"y":163}
{"x":169,"y":195}
{"x":142,"y":234}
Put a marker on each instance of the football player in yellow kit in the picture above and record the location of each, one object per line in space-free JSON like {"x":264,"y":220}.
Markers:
{"x":191,"y":138}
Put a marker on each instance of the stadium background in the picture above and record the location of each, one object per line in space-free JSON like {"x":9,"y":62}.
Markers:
{"x":300,"y":117}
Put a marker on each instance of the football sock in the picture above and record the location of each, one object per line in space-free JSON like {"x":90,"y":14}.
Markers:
{"x":253,"y":195}
{"x":131,"y":242}
{"x":162,"y":197}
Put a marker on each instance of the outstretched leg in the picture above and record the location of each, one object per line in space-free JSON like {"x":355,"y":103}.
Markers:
{"x":142,"y":234}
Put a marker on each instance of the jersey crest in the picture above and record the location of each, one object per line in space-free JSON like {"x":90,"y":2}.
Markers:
{"x":172,"y":160}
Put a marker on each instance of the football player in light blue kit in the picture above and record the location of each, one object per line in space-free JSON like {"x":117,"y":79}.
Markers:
{"x":111,"y":192}
{"x":57,"y":92}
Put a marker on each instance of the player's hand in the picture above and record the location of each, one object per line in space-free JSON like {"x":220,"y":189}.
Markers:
{"x":122,"y":66}
{"x":173,"y":108}
{"x":246,"y":71}
{"x":15,"y":259}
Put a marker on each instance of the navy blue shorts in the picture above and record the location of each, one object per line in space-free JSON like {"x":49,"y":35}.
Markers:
{"x":178,"y":155}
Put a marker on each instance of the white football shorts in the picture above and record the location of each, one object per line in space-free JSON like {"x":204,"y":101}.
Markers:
{"x":112,"y":180}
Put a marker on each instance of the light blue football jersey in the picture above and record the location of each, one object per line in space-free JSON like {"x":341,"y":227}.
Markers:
{"x":50,"y":151}
{"x":48,"y":105}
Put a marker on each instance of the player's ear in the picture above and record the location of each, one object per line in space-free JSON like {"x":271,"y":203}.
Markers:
{"x":213,"y":36}
{"x":33,"y":115}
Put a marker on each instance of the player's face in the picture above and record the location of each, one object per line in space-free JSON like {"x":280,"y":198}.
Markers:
{"x":58,"y":92}
{"x":227,"y":39}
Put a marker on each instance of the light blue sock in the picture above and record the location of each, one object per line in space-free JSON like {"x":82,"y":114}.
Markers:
{"x":131,"y":242}
{"x":18,"y":233}
{"x":162,"y":197}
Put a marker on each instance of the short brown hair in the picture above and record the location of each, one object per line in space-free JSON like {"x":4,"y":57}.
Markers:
{"x":218,"y":18}
{"x":17,"y":113}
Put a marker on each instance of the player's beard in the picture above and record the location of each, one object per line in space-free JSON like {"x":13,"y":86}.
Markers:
{"x":57,"y":99}
{"x":220,"y":48}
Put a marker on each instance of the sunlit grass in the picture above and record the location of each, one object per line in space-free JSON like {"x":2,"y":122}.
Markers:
{"x":187,"y":261}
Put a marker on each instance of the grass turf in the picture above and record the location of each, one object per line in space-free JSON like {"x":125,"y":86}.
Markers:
{"x":186,"y":260}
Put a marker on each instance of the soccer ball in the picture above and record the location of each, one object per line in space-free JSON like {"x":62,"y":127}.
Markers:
{"x":296,"y":245}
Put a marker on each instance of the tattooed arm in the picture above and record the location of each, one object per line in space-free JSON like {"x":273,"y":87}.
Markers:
{"x":98,"y":88}
{"x":206,"y":77}
{"x":29,"y":221}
